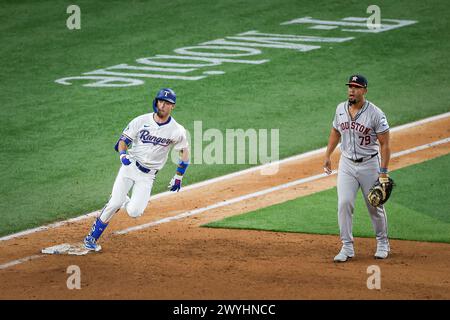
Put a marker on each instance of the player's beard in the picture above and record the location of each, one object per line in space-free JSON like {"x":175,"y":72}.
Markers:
{"x":160,"y":113}
{"x":352,"y":101}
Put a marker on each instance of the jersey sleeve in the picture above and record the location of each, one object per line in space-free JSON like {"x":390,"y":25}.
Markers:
{"x":381,"y":123}
{"x":182,"y":140}
{"x":128,"y":134}
{"x":131,"y":131}
{"x":335,"y":122}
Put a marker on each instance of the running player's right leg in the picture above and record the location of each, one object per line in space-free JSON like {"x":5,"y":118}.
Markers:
{"x":122,"y":185}
{"x":347,"y":188}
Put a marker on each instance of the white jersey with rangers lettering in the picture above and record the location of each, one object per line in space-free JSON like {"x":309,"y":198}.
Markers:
{"x":359,"y":135}
{"x":152,"y":141}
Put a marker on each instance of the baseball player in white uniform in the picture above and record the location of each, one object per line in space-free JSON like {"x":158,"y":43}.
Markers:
{"x":363,"y":131}
{"x":143,"y":150}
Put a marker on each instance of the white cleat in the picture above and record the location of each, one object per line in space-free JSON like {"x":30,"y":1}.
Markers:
{"x":382,"y":251}
{"x":381,"y":254}
{"x":344,"y":255}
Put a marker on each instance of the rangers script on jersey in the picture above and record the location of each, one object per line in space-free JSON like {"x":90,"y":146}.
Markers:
{"x":152,"y":141}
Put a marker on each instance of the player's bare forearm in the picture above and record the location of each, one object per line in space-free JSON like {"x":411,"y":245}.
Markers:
{"x":122,"y":146}
{"x":184,"y":157}
{"x":385,"y":155}
{"x":333,"y":141}
{"x":385,"y":150}
{"x":175,"y":183}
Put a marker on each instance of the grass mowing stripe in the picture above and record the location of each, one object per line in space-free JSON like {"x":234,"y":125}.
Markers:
{"x":414,"y":212}
{"x":60,"y":160}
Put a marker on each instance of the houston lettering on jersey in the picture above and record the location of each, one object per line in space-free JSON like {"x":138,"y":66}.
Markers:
{"x":355,"y":126}
{"x":146,"y":137}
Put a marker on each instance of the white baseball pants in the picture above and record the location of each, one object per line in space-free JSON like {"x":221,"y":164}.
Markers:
{"x":129,"y":177}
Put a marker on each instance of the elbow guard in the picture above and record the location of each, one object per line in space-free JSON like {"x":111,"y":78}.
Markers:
{"x":124,"y":139}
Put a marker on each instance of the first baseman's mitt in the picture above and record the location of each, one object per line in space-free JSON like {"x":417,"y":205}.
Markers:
{"x":380,"y":192}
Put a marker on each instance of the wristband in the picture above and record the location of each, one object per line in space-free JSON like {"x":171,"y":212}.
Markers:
{"x":182,"y":166}
{"x":123,"y":152}
{"x":383,"y":170}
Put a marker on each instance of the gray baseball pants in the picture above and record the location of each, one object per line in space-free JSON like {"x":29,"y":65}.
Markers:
{"x":352,"y":176}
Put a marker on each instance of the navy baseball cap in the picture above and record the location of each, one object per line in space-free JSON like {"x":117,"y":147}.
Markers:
{"x":166,"y":94}
{"x":357,"y":80}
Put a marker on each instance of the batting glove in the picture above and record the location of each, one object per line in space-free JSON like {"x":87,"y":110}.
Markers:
{"x":175,"y":183}
{"x":124,"y":158}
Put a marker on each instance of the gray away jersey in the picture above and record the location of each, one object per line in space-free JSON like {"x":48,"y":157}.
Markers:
{"x":359,"y":136}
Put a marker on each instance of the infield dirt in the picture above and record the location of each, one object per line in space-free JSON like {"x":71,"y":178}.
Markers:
{"x":181,"y":260}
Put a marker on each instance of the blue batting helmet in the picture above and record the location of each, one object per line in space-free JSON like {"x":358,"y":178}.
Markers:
{"x":165,"y":94}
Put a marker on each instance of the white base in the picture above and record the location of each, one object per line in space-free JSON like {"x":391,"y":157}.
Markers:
{"x":77,"y":249}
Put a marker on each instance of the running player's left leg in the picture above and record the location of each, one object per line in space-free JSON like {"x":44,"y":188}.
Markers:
{"x":368,"y":175}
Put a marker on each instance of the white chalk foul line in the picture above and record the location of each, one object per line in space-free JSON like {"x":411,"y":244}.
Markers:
{"x":419,"y":148}
{"x":263,"y":192}
{"x":19,"y":261}
{"x":223,"y":203}
{"x":49,"y":226}
{"x":214,"y":180}
{"x":234,"y":200}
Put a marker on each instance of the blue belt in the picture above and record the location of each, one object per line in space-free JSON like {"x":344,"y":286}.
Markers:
{"x":144,"y":169}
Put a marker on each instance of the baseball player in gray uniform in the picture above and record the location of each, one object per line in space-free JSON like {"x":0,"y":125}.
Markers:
{"x":143,"y":150}
{"x":363,"y":131}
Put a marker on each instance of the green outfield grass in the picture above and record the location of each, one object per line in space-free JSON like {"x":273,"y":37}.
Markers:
{"x":418,"y":209}
{"x":58,"y":160}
